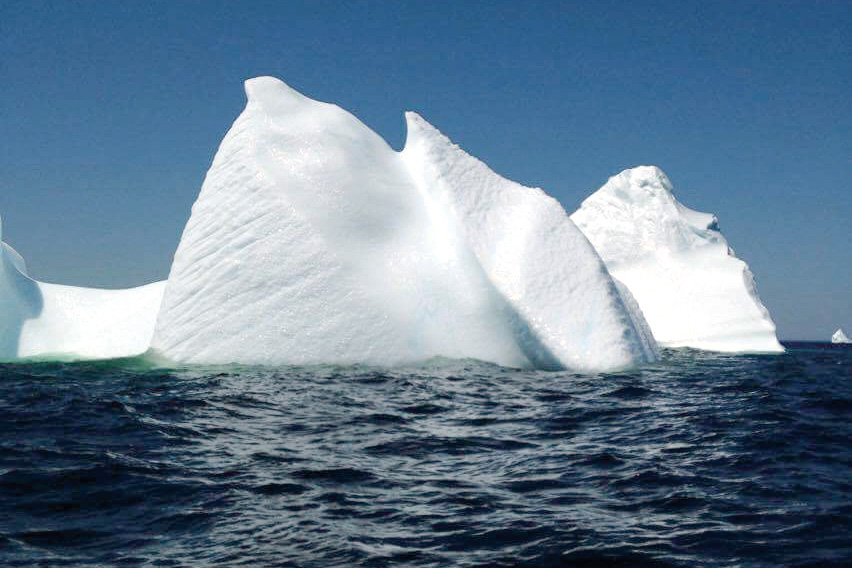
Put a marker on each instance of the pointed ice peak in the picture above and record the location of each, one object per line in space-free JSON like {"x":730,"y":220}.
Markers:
{"x":645,"y":177}
{"x":10,"y":254}
{"x":422,"y":136}
{"x":640,"y":204}
{"x":649,"y":189}
{"x":7,"y":253}
{"x":281,"y":107}
{"x":266,"y":90}
{"x":692,"y":290}
{"x":640,"y":184}
{"x":414,"y":119}
{"x":425,"y":144}
{"x":418,"y":128}
{"x":276,"y":110}
{"x":840,"y":337}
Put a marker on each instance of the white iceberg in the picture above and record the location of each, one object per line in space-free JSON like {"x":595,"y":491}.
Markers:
{"x":41,"y":320}
{"x":691,"y":288}
{"x":840,"y":337}
{"x":312,"y":241}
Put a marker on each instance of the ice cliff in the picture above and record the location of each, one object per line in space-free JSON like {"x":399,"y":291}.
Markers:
{"x":692,"y":289}
{"x":312,"y":241}
{"x":44,"y":320}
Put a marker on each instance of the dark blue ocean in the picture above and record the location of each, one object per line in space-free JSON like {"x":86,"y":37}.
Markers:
{"x":699,"y":460}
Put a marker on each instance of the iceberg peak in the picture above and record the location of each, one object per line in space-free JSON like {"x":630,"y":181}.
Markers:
{"x":418,"y":128}
{"x":313,"y":241}
{"x":840,"y":337}
{"x":640,"y":215}
{"x":646,"y":177}
{"x":271,"y":89}
{"x":692,"y":290}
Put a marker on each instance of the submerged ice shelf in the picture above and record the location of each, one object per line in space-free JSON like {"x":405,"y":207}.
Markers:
{"x":312,"y":241}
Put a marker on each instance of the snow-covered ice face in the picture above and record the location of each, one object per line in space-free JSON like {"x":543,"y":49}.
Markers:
{"x":691,"y":288}
{"x":313,"y":241}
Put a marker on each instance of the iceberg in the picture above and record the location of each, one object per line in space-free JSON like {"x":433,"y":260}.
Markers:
{"x":42,"y":320}
{"x":692,"y":289}
{"x":313,"y":241}
{"x":840,"y":337}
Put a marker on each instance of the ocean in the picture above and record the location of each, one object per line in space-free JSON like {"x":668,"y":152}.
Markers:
{"x":701,"y":459}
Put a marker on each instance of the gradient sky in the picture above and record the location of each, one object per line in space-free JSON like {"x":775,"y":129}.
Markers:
{"x":110,"y":113}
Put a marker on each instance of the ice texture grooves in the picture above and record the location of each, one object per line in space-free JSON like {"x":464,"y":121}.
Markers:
{"x":692,"y":289}
{"x":532,"y":253}
{"x":312,"y":241}
{"x":42,"y":320}
{"x":703,"y":460}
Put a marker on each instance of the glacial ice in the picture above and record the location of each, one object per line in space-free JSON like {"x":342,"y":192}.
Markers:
{"x":41,"y":320}
{"x":312,"y":241}
{"x":691,"y":288}
{"x":840,"y":337}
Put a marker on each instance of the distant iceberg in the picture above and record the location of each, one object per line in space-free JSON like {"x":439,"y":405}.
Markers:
{"x":692,"y":289}
{"x":840,"y":337}
{"x":312,"y":241}
{"x":41,"y":320}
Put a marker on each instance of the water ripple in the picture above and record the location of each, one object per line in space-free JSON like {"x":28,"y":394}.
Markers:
{"x":699,"y":460}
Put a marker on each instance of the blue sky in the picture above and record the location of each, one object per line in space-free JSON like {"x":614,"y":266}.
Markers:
{"x":110,"y":113}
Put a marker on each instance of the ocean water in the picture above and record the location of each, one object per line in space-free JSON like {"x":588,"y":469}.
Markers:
{"x":700,"y":460}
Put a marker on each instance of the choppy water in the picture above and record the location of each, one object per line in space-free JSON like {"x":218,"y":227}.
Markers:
{"x":700,"y":460}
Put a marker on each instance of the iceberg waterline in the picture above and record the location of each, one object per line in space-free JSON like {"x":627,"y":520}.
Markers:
{"x":312,"y":241}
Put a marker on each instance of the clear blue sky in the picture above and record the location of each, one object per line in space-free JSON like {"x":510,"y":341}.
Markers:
{"x":110,"y":113}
